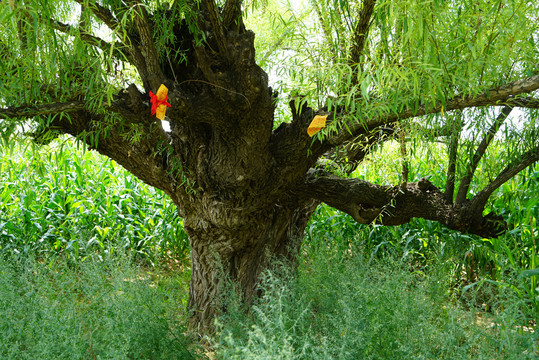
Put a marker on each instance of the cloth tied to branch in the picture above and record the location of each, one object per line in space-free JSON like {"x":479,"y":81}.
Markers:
{"x":317,"y":124}
{"x":159,"y":102}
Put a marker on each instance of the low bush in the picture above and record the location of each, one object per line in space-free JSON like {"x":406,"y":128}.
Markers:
{"x":361,"y":309}
{"x":105,"y":309}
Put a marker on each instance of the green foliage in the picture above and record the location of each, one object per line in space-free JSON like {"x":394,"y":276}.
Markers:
{"x":354,"y":309}
{"x":477,"y":270}
{"x":347,"y":302}
{"x":63,"y":199}
{"x":413,"y":291}
{"x":59,"y":51}
{"x":95,"y":310}
{"x":418,"y":53}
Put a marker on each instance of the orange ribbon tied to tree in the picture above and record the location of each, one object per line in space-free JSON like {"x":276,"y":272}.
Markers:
{"x":159,"y":102}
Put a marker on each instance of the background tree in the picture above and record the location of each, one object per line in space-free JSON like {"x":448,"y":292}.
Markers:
{"x":240,"y":166}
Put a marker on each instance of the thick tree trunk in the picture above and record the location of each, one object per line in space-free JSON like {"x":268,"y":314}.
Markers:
{"x":234,"y":254}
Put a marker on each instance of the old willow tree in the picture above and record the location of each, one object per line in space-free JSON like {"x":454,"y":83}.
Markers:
{"x":238,"y":159}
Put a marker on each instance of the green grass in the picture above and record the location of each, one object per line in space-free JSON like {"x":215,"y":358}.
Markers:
{"x":93,"y":264}
{"x":104,"y":309}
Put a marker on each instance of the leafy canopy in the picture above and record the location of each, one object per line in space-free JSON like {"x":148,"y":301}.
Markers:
{"x":415,"y":53}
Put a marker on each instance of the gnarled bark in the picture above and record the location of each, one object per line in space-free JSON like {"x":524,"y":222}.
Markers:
{"x":231,"y":250}
{"x":369,"y":203}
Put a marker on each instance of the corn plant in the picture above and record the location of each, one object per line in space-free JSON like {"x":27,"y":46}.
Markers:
{"x":67,"y":200}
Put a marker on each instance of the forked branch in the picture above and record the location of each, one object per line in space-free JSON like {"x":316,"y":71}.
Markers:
{"x":509,"y":172}
{"x":395,"y":205}
{"x":467,"y":179}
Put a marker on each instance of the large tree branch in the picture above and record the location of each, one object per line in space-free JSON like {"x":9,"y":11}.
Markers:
{"x":502,"y":95}
{"x":232,"y":15}
{"x":28,"y":111}
{"x":217,"y":27}
{"x":481,"y":149}
{"x":147,"y":61}
{"x":394,"y":205}
{"x":147,"y":157}
{"x":141,"y":49}
{"x":102,"y":14}
{"x":290,"y":141}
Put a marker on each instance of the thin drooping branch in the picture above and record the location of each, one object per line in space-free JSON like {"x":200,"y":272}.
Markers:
{"x":481,"y":149}
{"x":323,"y":23}
{"x":451,"y":167}
{"x":340,"y":27}
{"x":525,"y":102}
{"x":502,"y":95}
{"x":6,"y":52}
{"x":28,"y":111}
{"x":91,"y":40}
{"x":274,"y":47}
{"x":446,"y":130}
{"x":347,"y":157}
{"x":404,"y":157}
{"x":83,"y":24}
{"x":361,"y":31}
{"x":509,"y":172}
{"x":395,"y":205}
{"x":22,"y":25}
{"x":102,"y":14}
